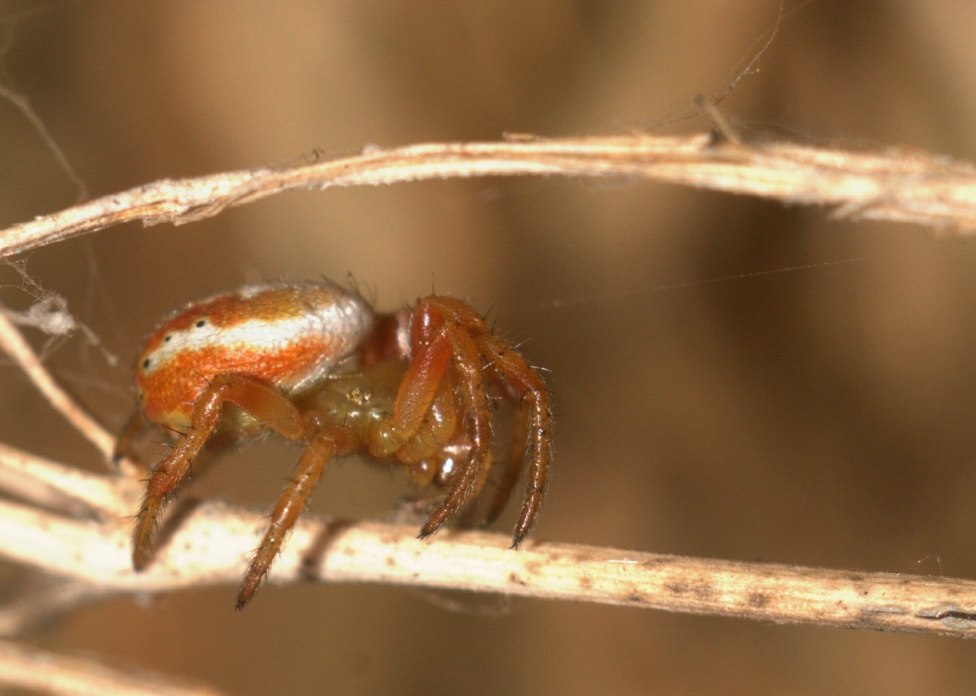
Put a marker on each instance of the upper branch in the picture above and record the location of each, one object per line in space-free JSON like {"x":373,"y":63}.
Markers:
{"x":893,"y":184}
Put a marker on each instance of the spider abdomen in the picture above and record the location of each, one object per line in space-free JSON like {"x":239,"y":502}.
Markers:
{"x":287,"y":336}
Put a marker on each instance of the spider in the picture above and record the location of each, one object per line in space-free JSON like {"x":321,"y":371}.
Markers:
{"x":313,"y":363}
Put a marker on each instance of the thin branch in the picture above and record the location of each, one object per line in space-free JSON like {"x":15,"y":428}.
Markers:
{"x":13,"y":344}
{"x":211,"y":542}
{"x":893,"y":184}
{"x":68,"y":489}
{"x":47,"y":672}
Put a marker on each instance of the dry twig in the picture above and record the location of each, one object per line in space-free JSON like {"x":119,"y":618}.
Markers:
{"x":13,"y":344}
{"x":211,"y":542}
{"x":895,"y":184}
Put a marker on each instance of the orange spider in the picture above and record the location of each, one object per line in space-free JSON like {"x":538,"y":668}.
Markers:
{"x":313,"y":363}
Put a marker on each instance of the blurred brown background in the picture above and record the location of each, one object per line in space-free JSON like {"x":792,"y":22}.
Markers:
{"x":822,"y":414}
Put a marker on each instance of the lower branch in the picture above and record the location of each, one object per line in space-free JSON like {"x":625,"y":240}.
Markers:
{"x":210,"y":543}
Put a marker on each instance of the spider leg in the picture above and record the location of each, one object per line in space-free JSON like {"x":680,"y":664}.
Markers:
{"x":262,"y":402}
{"x":440,"y":426}
{"x":513,"y":468}
{"x":324,"y":446}
{"x":421,"y":384}
{"x":476,"y":415}
{"x":450,"y":342}
{"x":526,"y":382}
{"x":418,"y":390}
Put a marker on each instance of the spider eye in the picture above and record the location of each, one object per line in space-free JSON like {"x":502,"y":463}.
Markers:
{"x":167,"y":338}
{"x":145,"y":363}
{"x":201,"y":323}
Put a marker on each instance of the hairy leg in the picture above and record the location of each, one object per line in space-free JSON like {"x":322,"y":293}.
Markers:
{"x":329,"y":443}
{"x":525,"y":381}
{"x":476,"y":418}
{"x":262,"y":402}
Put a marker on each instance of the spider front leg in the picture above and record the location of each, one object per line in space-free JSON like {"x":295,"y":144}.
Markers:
{"x":479,"y":354}
{"x":476,"y":421}
{"x":448,"y":335}
{"x":262,"y":402}
{"x":533,"y":432}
